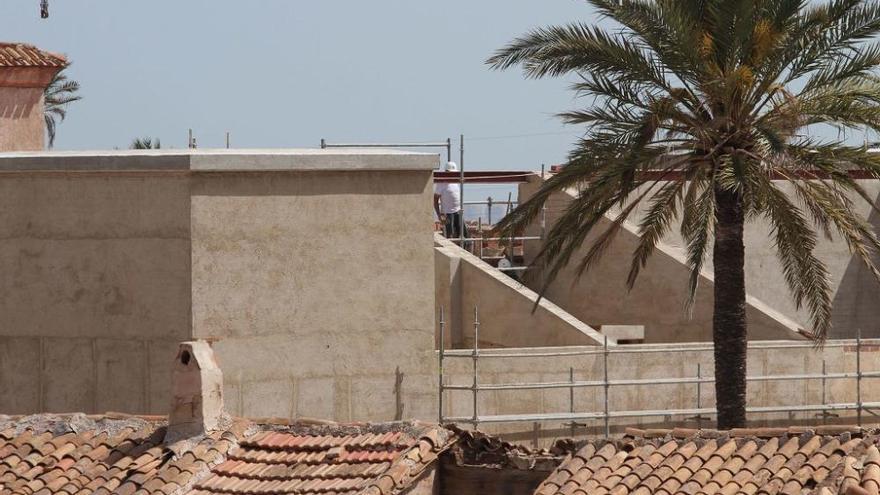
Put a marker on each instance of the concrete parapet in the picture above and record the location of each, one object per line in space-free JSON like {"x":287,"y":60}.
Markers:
{"x":658,"y":300}
{"x":511,"y":315}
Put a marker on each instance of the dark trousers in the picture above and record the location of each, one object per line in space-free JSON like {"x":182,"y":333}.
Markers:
{"x":454,"y":226}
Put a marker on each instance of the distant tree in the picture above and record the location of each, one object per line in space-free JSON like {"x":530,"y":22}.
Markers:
{"x":693,"y":107}
{"x":145,"y":143}
{"x":60,"y":93}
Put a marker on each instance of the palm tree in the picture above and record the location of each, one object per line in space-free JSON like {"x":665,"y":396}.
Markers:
{"x":60,"y":93}
{"x":698,"y":109}
{"x":146,"y":143}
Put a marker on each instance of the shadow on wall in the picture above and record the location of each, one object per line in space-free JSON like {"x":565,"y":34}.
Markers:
{"x":858,"y":296}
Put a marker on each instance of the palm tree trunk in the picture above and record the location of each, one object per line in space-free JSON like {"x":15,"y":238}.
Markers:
{"x":729,"y":323}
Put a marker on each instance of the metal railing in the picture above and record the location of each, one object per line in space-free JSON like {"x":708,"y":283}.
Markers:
{"x":698,"y":413}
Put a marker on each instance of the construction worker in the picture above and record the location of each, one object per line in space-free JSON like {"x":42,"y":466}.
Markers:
{"x":447,"y":205}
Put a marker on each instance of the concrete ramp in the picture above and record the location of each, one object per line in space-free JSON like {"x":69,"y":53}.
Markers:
{"x":507,"y":313}
{"x":657,"y":301}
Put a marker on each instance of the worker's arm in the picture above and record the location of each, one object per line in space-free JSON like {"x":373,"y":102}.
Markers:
{"x":440,"y":216}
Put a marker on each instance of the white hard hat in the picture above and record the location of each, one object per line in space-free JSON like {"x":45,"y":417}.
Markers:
{"x":451,"y":167}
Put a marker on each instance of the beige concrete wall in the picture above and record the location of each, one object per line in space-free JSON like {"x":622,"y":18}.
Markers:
{"x":672,"y":360}
{"x":318,"y":287}
{"x":64,"y":374}
{"x":311,"y":271}
{"x":657,"y":301}
{"x":95,"y":293}
{"x":510,"y":314}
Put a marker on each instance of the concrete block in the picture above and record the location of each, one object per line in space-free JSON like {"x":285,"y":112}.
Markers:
{"x":316,"y":398}
{"x":20,"y":372}
{"x":161,"y":358}
{"x":267,"y":398}
{"x":69,"y":375}
{"x":623,"y":332}
{"x":372,"y":398}
{"x":121,"y":372}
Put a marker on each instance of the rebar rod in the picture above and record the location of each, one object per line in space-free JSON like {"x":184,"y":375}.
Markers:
{"x":480,"y":228}
{"x":607,"y":387}
{"x":489,"y":202}
{"x":824,"y":401}
{"x":521,"y":238}
{"x":571,"y":398}
{"x":652,"y":381}
{"x":476,"y":359}
{"x":505,"y":418}
{"x":440,"y":369}
{"x":859,"y":375}
{"x":461,"y":191}
{"x":636,"y":350}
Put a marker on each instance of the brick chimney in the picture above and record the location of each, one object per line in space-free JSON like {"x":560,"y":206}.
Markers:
{"x":25,"y":72}
{"x":197,"y":392}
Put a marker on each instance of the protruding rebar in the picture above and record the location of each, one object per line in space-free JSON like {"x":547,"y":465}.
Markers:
{"x":476,"y":386}
{"x":571,"y":399}
{"x":440,"y":368}
{"x":859,"y":375}
{"x":606,"y":386}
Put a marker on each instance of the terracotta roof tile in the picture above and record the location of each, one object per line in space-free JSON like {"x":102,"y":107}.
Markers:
{"x":827,"y":460}
{"x":325,"y":459}
{"x":24,"y":55}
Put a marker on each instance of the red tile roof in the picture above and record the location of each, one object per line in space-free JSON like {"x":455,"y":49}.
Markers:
{"x":23,"y":55}
{"x":341,"y":461}
{"x":78,"y":454}
{"x":765,"y":460}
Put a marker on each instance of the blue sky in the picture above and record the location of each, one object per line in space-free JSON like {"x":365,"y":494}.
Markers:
{"x":285,"y":73}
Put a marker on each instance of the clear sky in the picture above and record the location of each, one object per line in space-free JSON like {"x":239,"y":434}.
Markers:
{"x":285,"y":73}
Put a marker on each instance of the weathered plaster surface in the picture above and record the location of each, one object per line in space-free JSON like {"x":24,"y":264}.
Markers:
{"x":311,"y":271}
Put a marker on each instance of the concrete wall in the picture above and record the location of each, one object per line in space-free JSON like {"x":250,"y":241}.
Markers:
{"x":311,"y":271}
{"x":600,"y":297}
{"x":511,"y":315}
{"x":664,"y":361}
{"x":317,"y":286}
{"x":96,"y":290}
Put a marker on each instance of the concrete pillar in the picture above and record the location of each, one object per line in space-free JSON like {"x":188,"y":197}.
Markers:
{"x":197,"y":392}
{"x":25,"y":72}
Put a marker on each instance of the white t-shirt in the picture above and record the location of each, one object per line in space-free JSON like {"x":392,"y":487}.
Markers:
{"x":450,"y":197}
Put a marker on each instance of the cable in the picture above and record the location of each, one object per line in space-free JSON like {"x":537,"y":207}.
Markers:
{"x":515,"y":136}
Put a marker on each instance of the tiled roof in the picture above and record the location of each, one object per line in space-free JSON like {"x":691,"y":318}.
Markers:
{"x":23,"y":55}
{"x":348,"y":461}
{"x":78,"y":454}
{"x":823,"y":461}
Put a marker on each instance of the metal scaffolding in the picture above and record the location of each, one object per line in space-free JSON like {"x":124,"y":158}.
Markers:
{"x":698,"y":413}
